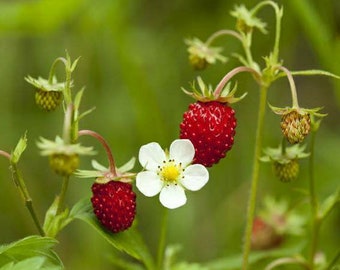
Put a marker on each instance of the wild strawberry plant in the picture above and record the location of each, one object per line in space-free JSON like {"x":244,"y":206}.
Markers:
{"x":207,"y":133}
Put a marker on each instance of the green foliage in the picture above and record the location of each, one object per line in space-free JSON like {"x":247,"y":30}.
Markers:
{"x":32,"y":252}
{"x":129,"y":241}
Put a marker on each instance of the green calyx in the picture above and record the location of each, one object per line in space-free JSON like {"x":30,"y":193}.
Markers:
{"x":284,"y":155}
{"x":246,"y":21}
{"x":63,"y":158}
{"x":46,"y":85}
{"x":58,"y":146}
{"x":285,"y":161}
{"x":205,"y":93}
{"x":301,"y":111}
{"x":104,"y":175}
{"x":201,"y":54}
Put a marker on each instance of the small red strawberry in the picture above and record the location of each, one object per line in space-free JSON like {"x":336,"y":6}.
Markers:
{"x":114,"y":204}
{"x":210,"y":124}
{"x":264,"y":235}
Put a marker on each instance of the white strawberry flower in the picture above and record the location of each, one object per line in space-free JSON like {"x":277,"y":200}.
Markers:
{"x":170,"y":173}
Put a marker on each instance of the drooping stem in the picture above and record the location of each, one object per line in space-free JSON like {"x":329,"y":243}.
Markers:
{"x":278,"y":16}
{"x":295,"y":103}
{"x":5,"y":154}
{"x":112,"y":166}
{"x":222,"y":33}
{"x":162,"y":239}
{"x":64,"y":186}
{"x":52,"y":69}
{"x":255,"y":176}
{"x":229,"y":75}
{"x":315,"y":221}
{"x":20,"y":183}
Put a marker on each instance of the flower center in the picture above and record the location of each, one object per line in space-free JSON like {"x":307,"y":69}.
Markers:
{"x":170,"y":172}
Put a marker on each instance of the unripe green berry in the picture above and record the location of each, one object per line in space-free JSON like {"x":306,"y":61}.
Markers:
{"x":295,"y":126}
{"x":63,"y":164}
{"x":286,"y":172}
{"x":48,"y":100}
{"x":197,"y":62}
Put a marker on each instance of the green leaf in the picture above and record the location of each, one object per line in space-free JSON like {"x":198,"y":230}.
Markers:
{"x":329,"y":203}
{"x":55,"y":223}
{"x":234,"y":262}
{"x":31,"y":246}
{"x":31,"y":263}
{"x":129,"y":241}
{"x":19,"y":149}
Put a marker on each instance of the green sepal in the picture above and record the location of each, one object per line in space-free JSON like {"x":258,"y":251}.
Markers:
{"x":54,"y":222}
{"x":293,"y":152}
{"x":202,"y":50}
{"x":246,"y":20}
{"x":19,"y":149}
{"x":205,"y":93}
{"x":45,"y":85}
{"x":103,"y":172}
{"x":302,"y":111}
{"x":58,"y":146}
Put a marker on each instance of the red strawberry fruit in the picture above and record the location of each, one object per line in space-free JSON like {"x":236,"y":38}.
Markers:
{"x":210,"y":124}
{"x":114,"y":204}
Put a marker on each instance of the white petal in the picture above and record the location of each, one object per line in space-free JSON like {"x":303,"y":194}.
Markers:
{"x":195,"y":177}
{"x":172,"y":196}
{"x":148,"y":183}
{"x":183,"y":151}
{"x":151,"y":156}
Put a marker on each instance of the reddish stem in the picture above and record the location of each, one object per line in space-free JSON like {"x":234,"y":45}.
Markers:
{"x":231,"y":74}
{"x":5,"y":154}
{"x":106,"y":147}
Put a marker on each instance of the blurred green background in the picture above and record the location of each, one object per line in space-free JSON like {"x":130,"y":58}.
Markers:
{"x":133,"y":64}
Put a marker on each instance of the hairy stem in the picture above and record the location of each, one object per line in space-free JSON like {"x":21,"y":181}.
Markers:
{"x":292,"y":86}
{"x":222,"y":33}
{"x":278,"y":17}
{"x":315,"y":222}
{"x":20,"y":183}
{"x":62,"y":194}
{"x":255,"y":176}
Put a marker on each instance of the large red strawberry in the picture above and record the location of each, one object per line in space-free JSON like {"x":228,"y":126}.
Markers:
{"x":114,"y":204}
{"x":209,"y":124}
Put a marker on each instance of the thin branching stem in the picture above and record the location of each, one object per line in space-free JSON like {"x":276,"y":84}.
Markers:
{"x":315,"y":221}
{"x":295,"y":103}
{"x":20,"y":183}
{"x":223,"y":32}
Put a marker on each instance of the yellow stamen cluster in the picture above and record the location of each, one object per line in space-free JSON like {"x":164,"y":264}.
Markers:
{"x":170,"y":172}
